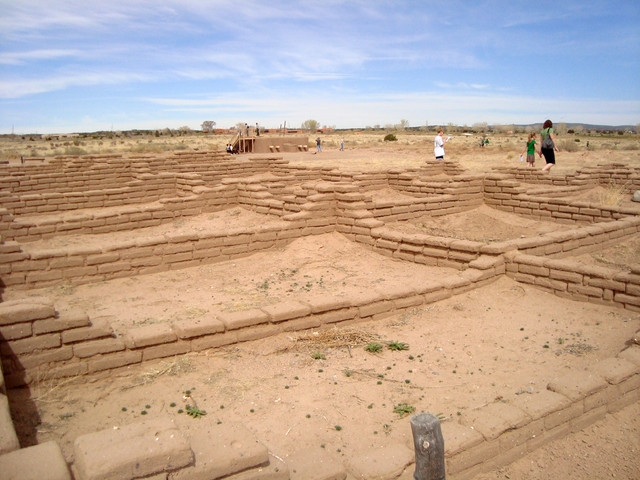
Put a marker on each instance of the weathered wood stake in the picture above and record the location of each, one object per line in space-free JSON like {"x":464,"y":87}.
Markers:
{"x":429,"y":447}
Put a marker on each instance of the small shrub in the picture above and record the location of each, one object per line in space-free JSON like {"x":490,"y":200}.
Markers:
{"x":397,"y":346}
{"x":373,"y":347}
{"x":195,"y":412}
{"x":75,"y":151}
{"x":630,"y":146}
{"x":318,"y":356}
{"x":568,"y":146}
{"x":403,"y":409}
{"x":390,"y":137}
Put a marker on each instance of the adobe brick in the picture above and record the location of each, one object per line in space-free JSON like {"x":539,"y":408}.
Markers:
{"x":77,"y":272}
{"x":304,"y":323}
{"x":566,"y":276}
{"x":13,"y":257}
{"x":95,"y":347}
{"x":375,"y":308}
{"x":132,"y":451}
{"x":48,"y":356}
{"x":235,"y":320}
{"x":286,"y":310}
{"x":563,"y":416}
{"x":627,"y":299}
{"x":153,"y":334}
{"x":335,"y":316}
{"x":177,"y":248}
{"x":44,"y":461}
{"x":588,"y":418}
{"x":15,"y":331}
{"x":104,"y":258}
{"x":166,"y":350}
{"x":214,"y":341}
{"x":578,"y":385}
{"x":34,"y":277}
{"x":114,"y":360}
{"x":257,"y":332}
{"x":472,"y":457}
{"x":31,"y":344}
{"x":75,"y":317}
{"x":99,"y":328}
{"x":623,"y":401}
{"x":550,"y":283}
{"x":197,"y":327}
{"x":436,"y":296}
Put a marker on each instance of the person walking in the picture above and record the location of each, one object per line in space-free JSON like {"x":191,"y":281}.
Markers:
{"x":342,"y":144}
{"x":438,"y":145}
{"x":318,"y":145}
{"x":548,"y":145}
{"x":530,"y":149}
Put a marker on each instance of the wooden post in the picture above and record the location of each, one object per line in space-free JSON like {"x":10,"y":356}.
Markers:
{"x":429,"y":447}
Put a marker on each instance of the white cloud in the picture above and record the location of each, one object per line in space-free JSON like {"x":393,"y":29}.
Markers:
{"x":20,"y":88}
{"x":19,"y":58}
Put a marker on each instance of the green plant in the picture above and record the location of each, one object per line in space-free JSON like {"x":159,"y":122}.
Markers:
{"x":390,"y":137}
{"x":318,"y":356}
{"x":397,"y":346}
{"x":195,"y":412}
{"x":338,"y":427}
{"x":403,"y":409}
{"x":373,"y":347}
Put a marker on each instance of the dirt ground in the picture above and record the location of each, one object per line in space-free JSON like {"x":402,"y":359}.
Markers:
{"x":324,"y":388}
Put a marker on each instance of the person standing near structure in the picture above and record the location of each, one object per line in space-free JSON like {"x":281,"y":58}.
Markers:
{"x":548,"y":145}
{"x":438,"y":144}
{"x":257,"y":130}
{"x":342,"y":144}
{"x":530,"y":149}
{"x":319,"y":145}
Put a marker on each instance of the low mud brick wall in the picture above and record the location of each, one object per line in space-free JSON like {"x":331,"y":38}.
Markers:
{"x":575,"y":281}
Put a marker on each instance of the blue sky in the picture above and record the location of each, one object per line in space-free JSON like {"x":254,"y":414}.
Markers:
{"x":81,"y":66}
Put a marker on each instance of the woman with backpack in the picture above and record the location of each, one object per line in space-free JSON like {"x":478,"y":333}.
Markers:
{"x":548,"y":145}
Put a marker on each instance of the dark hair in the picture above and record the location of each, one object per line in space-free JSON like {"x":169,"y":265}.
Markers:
{"x":547,"y":124}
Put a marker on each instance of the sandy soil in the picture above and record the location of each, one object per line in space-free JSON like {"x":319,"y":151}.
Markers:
{"x":323,"y":388}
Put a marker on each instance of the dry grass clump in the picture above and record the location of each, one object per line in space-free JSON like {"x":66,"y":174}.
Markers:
{"x":613,"y":195}
{"x":337,"y":337}
{"x":568,"y":146}
{"x":177,"y":367}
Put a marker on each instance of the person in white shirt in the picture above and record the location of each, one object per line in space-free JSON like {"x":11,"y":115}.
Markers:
{"x":438,"y":145}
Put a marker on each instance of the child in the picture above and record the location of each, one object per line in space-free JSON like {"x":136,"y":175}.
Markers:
{"x":530,"y":149}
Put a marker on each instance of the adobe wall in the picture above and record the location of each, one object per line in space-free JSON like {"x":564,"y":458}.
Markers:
{"x":479,"y":441}
{"x":619,"y":174}
{"x":40,"y":342}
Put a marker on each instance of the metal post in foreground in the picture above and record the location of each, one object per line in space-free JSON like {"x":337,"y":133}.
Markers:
{"x":429,"y":447}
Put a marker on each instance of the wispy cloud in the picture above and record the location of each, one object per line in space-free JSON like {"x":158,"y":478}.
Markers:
{"x":20,"y":58}
{"x":20,"y":88}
